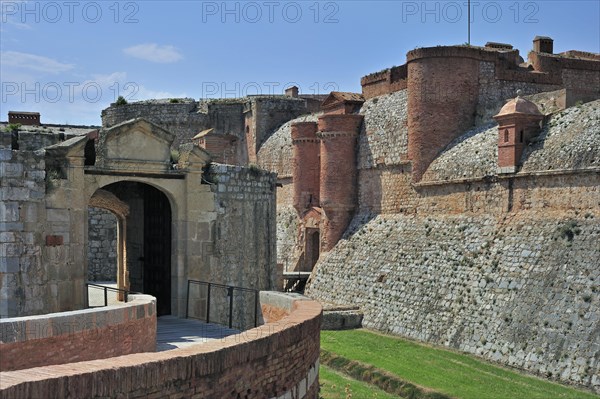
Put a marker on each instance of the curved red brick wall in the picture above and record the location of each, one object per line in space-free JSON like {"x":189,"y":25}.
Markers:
{"x":67,"y":337}
{"x":436,"y":114}
{"x":270,"y":361}
{"x":338,"y":174}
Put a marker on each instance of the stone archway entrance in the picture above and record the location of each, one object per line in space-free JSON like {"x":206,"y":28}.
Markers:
{"x":144,"y":241}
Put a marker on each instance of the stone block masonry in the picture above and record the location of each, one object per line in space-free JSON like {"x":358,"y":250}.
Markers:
{"x":244,"y":197}
{"x":250,"y":120}
{"x":102,"y":245}
{"x":22,"y":208}
{"x":182,"y":119}
{"x":505,"y":268}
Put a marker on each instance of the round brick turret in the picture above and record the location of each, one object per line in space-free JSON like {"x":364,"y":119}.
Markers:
{"x":305,"y":165}
{"x":338,"y":173}
{"x":442,"y":99}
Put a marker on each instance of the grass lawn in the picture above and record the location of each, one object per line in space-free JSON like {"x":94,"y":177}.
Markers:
{"x":337,"y":386}
{"x":448,"y":372}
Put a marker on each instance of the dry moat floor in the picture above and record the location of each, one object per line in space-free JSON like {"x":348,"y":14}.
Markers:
{"x":356,"y":362}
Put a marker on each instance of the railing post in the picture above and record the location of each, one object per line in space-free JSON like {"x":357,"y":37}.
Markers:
{"x":105,"y":296}
{"x":255,"y":308}
{"x":187,"y":301}
{"x":230,"y":294}
{"x":208,"y":304}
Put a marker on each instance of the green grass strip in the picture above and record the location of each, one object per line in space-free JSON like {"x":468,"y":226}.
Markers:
{"x":374,"y":376}
{"x":448,"y":372}
{"x":335,"y":385}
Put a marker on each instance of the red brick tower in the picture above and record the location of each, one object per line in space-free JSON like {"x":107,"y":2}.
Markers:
{"x":442,"y":98}
{"x":338,"y":196}
{"x":518,"y":122}
{"x":305,"y":166}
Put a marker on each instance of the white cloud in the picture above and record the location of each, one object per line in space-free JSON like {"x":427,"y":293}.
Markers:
{"x":8,"y":11}
{"x":147,"y":94}
{"x":154,"y":53}
{"x":110,"y":79}
{"x":33,"y":62}
{"x":18,"y":25}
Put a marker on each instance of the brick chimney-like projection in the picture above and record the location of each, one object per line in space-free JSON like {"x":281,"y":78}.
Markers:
{"x":305,"y":166}
{"x":519,"y":121}
{"x":543,"y":44}
{"x":324,"y":174}
{"x":338,"y":135}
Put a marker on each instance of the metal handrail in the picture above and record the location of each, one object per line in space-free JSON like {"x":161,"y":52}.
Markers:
{"x":106,"y":289}
{"x":230,"y":292}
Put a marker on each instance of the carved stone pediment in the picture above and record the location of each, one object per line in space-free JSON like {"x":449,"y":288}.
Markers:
{"x":135,"y":145}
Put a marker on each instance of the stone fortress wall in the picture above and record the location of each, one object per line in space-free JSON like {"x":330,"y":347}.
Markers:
{"x":248,"y":122}
{"x":22,"y":189}
{"x":44,"y":218}
{"x":444,"y":249}
{"x":185,"y":119}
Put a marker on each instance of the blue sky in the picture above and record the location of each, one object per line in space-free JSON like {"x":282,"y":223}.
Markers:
{"x":69,"y":60}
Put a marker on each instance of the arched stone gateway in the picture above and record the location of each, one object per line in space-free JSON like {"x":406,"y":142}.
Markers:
{"x":176,"y":221}
{"x":143,"y":238}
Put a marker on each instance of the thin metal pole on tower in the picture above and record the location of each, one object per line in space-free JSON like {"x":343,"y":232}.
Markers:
{"x":469,"y":22}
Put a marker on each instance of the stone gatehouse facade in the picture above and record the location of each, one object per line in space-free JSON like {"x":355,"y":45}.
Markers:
{"x":173,"y":221}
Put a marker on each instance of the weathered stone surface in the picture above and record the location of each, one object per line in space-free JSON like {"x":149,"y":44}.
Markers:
{"x":384,"y":136}
{"x":570,"y":140}
{"x":566,"y":142}
{"x":102,"y":245}
{"x":520,"y":290}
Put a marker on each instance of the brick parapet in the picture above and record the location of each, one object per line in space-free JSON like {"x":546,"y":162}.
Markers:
{"x":544,"y":62}
{"x":276,"y":360}
{"x":349,"y":124}
{"x":384,"y":82}
{"x":59,"y":338}
{"x":276,"y":152}
{"x":476,"y":53}
{"x":304,"y":130}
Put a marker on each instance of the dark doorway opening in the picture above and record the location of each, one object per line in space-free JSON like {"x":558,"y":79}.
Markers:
{"x":315,"y":249}
{"x":148,"y":241}
{"x":157,"y":248}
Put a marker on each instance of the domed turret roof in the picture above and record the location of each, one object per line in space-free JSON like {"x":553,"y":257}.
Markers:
{"x":519,"y":105}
